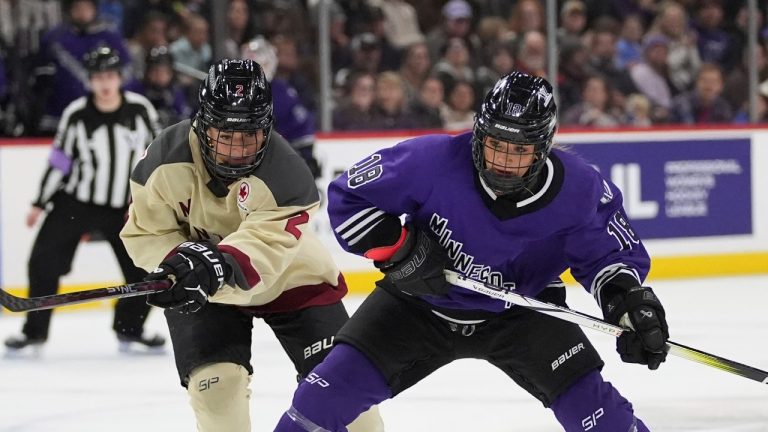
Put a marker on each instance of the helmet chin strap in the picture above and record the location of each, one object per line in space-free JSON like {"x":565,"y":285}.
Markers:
{"x":528,"y":186}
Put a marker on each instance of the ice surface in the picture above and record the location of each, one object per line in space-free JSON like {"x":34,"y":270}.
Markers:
{"x":81,"y":383}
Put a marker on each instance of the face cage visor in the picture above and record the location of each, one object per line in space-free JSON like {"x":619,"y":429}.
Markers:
{"x":510,"y":168}
{"x":231,"y":154}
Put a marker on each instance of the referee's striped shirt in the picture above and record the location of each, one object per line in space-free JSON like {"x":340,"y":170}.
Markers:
{"x":94,"y":153}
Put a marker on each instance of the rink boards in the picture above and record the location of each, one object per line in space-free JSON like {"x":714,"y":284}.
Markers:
{"x":698,"y":198}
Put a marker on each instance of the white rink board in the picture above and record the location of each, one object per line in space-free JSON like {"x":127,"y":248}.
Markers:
{"x":21,"y":168}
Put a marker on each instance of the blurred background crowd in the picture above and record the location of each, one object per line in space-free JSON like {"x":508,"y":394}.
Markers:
{"x":396,"y":64}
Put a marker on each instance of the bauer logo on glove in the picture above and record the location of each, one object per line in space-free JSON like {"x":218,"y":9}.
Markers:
{"x":197,"y":269}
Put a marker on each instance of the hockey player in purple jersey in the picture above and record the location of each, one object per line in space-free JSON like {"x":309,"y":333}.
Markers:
{"x":292,"y":119}
{"x":59,"y":76}
{"x":501,"y":205}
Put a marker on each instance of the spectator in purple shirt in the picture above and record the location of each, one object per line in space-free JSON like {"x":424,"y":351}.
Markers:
{"x":160,"y":87}
{"x":714,"y":43}
{"x":60,"y":76}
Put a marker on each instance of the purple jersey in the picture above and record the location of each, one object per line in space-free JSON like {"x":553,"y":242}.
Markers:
{"x":574,"y":220}
{"x":292,"y":119}
{"x":63,"y":50}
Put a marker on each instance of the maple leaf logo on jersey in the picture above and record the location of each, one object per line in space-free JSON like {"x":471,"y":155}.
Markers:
{"x":245,"y":190}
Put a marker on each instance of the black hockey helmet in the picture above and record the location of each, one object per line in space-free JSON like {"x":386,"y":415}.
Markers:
{"x":102,"y":59}
{"x":159,"y":55}
{"x":234,"y":97}
{"x":520,"y":109}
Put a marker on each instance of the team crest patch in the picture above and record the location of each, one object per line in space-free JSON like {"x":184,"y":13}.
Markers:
{"x":243,"y":192}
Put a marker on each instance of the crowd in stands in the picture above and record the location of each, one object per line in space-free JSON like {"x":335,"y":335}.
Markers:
{"x":398,"y":64}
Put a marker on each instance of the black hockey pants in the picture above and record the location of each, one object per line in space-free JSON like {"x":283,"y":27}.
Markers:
{"x":54,"y":250}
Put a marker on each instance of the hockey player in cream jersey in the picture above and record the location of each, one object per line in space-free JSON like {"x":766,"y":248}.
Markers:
{"x":221,"y":206}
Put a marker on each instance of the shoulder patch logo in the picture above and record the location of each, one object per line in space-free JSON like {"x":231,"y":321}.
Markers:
{"x":245,"y":190}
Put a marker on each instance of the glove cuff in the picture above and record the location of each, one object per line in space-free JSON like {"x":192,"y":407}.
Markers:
{"x":386,"y":253}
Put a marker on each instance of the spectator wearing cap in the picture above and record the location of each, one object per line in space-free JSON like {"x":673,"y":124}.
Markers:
{"x":650,"y":76}
{"x":683,"y":60}
{"x":366,"y":57}
{"x":59,"y":76}
{"x":573,"y":20}
{"x":704,"y":104}
{"x":457,"y":22}
{"x":375,"y":23}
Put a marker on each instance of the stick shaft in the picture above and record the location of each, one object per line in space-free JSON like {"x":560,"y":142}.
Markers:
{"x":594,"y":323}
{"x":20,"y":304}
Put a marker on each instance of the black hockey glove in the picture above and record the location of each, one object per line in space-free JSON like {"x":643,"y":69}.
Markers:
{"x":197,"y":269}
{"x":646,"y":344}
{"x":417,"y":267}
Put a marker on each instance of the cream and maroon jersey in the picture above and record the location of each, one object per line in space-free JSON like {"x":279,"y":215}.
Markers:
{"x":259,"y":222}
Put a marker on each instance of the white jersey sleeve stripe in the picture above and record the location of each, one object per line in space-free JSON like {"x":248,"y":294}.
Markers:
{"x":605,"y":275}
{"x":357,"y":239}
{"x":363,"y":225}
{"x":355,"y":218}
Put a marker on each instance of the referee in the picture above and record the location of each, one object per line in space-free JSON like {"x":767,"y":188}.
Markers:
{"x":100,"y":138}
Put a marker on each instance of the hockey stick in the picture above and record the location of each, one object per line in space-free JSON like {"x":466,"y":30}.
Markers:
{"x":589,"y":321}
{"x":20,"y":304}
